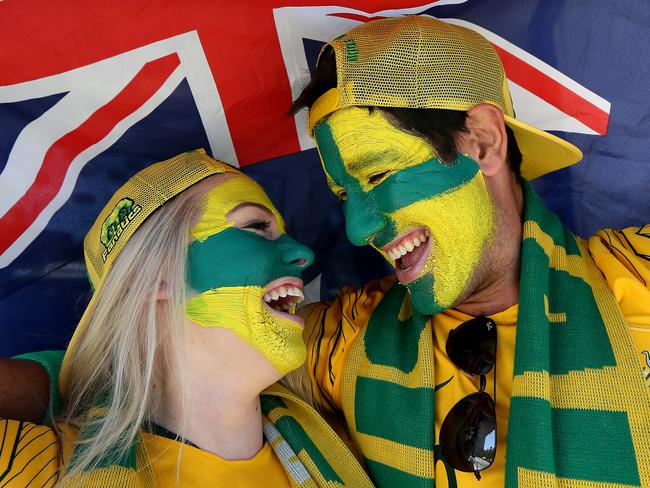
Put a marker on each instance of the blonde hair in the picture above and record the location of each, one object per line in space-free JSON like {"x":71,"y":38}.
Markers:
{"x":114,"y":363}
{"x":126,"y":344}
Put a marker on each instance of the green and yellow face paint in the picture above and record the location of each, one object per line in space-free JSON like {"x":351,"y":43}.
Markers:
{"x":244,"y":280}
{"x":431,"y":220}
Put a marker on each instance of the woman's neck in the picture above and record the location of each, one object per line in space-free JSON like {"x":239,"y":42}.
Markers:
{"x":222,"y":414}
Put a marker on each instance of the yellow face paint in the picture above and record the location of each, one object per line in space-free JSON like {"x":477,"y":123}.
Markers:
{"x":396,"y":190}
{"x":238,"y":309}
{"x":224,"y":198}
{"x":461,"y":224}
{"x":229,"y":268}
{"x":382,"y":146}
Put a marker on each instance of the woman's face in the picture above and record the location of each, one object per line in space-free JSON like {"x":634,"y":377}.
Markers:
{"x":244,"y":272}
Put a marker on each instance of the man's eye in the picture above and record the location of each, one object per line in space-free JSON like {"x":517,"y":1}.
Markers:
{"x":258,"y":225}
{"x":377,"y":177}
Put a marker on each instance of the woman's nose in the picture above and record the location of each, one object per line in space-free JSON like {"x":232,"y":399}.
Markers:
{"x":295,"y":253}
{"x":362,"y":219}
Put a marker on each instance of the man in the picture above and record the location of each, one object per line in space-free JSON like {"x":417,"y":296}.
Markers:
{"x":414,"y":124}
{"x":415,"y":128}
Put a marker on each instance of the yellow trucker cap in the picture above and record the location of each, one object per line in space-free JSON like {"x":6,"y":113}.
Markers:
{"x":422,"y":62}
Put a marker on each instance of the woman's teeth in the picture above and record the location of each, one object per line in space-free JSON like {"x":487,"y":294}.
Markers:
{"x":284,"y":298}
{"x":407,"y":245}
{"x":283,"y":291}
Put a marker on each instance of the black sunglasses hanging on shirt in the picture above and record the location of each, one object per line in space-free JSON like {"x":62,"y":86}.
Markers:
{"x":468,"y":433}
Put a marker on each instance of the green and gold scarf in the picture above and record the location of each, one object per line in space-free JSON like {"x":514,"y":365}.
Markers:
{"x":580,"y":410}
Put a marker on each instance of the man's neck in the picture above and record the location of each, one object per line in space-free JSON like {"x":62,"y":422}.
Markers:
{"x":499,"y":295}
{"x":497,"y":286}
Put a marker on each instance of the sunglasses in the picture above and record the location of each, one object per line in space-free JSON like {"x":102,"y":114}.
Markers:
{"x":468,"y":437}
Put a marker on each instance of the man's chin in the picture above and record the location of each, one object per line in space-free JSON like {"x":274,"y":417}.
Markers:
{"x":422,"y":299}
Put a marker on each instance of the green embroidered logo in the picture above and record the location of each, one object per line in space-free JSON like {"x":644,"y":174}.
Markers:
{"x":351,"y":51}
{"x":114,"y":225}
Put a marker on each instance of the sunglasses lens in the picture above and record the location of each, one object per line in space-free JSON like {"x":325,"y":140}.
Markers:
{"x":468,"y":434}
{"x":473,"y":346}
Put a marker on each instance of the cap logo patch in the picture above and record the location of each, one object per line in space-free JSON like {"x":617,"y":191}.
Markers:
{"x":114,"y":225}
{"x":351,"y":51}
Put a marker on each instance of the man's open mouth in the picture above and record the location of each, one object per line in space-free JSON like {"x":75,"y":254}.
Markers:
{"x":410,"y":252}
{"x":283,"y":296}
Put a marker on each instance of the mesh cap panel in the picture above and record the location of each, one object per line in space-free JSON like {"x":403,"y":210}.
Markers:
{"x":417,"y":62}
{"x":136,"y":200}
{"x":424,"y":63}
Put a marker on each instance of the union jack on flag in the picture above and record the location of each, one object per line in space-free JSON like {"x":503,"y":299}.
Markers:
{"x":89,"y":96}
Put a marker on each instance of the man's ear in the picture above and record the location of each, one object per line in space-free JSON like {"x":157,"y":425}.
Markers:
{"x":486,"y":140}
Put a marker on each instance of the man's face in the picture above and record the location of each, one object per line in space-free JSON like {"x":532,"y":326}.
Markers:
{"x":433,"y":221}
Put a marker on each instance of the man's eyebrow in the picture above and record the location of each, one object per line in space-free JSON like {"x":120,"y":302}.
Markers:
{"x":372,"y":159}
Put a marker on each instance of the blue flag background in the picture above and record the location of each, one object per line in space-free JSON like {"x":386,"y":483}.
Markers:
{"x":602,"y":46}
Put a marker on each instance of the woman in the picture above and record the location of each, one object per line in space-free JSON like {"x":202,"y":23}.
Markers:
{"x":166,"y":379}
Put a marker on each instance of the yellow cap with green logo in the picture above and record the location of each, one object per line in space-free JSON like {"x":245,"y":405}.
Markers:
{"x":129,"y":207}
{"x":422,"y":62}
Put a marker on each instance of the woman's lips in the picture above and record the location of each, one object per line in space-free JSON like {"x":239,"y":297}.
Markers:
{"x":282,"y":296}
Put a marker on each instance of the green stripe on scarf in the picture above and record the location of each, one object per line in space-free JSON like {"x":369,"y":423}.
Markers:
{"x":577,"y":392}
{"x":297,"y":438}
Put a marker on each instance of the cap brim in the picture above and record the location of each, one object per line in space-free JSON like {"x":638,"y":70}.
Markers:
{"x":542,"y":152}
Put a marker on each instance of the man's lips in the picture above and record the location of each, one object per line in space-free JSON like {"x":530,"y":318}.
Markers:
{"x":283,"y":295}
{"x":410,"y":252}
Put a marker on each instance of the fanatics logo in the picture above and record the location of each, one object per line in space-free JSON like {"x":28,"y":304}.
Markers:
{"x":113,"y":227}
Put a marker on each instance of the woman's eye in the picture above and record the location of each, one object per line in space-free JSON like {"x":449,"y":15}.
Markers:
{"x":377,"y":177}
{"x":258,"y":225}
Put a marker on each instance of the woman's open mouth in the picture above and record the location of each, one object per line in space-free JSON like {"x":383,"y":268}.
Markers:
{"x":410,"y":252}
{"x":283,"y":296}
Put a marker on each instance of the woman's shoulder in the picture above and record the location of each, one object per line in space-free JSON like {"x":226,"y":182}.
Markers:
{"x":29,"y":454}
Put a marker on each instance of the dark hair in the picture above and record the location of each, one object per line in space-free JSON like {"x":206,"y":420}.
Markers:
{"x":440,"y":127}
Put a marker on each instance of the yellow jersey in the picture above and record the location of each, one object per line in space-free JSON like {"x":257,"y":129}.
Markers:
{"x":623,"y":257}
{"x":30,"y":455}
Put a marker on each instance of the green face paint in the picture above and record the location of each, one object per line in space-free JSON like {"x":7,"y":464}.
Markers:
{"x":236,"y":257}
{"x":431,"y":220}
{"x":229,"y":269}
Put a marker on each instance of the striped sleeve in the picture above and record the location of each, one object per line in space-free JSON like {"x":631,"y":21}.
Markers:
{"x":623,"y":256}
{"x":29,"y":455}
{"x":330,"y":330}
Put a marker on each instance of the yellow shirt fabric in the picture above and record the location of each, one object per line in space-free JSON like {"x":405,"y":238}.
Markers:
{"x":200,"y":468}
{"x":622,"y":256}
{"x":30,"y":456}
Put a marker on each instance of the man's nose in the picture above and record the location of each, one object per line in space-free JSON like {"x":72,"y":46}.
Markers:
{"x":362,"y":219}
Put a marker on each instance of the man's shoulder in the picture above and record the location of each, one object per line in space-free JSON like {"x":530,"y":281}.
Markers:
{"x":623,"y":258}
{"x":628,"y":248}
{"x":353,"y":306}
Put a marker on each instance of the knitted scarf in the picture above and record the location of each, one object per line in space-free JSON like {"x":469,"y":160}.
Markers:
{"x":580,"y":410}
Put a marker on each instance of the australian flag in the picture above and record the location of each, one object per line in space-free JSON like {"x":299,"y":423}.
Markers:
{"x":91,"y":94}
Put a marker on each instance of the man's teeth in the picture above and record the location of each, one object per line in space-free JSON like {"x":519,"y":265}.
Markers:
{"x":407,"y":245}
{"x":284,"y":291}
